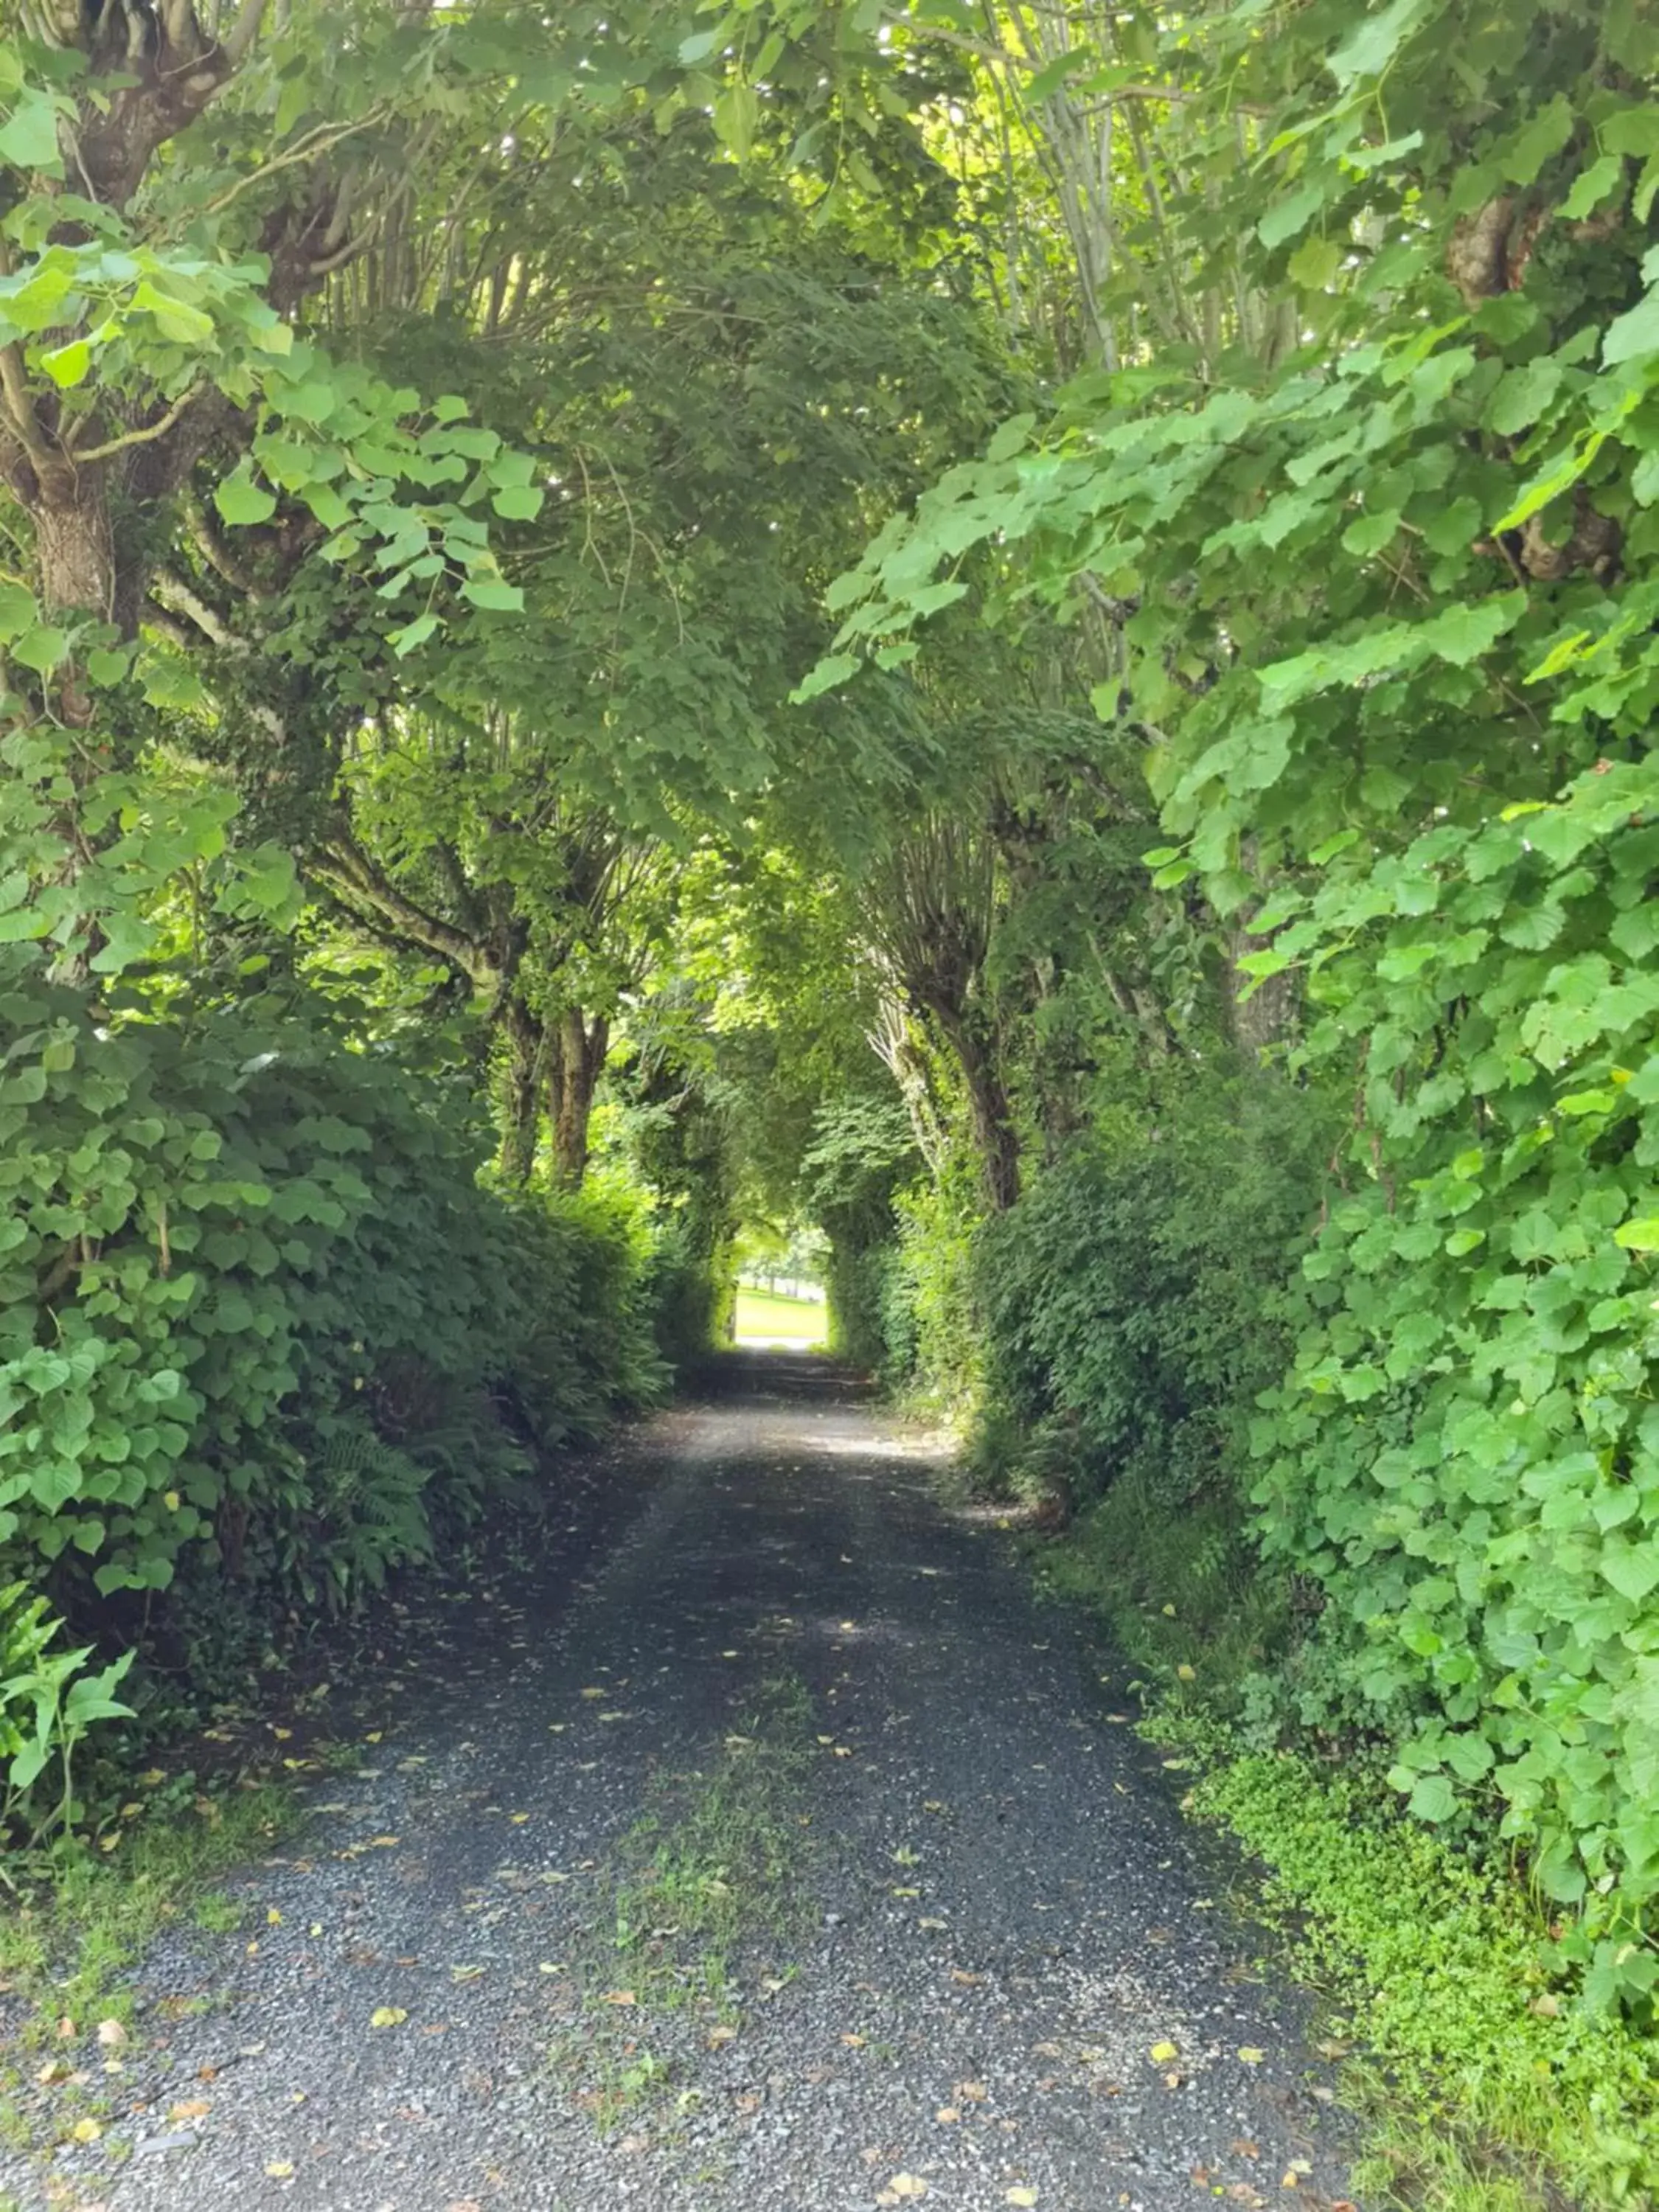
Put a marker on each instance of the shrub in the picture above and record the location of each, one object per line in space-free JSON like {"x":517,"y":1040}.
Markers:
{"x":258,"y":1321}
{"x":1135,"y":1297}
{"x":1466,"y":1455}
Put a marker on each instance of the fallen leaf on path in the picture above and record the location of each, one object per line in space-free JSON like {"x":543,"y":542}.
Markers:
{"x":1251,"y":2055}
{"x":724,"y":2033}
{"x":387,"y":2016}
{"x":973,"y":2093}
{"x":947,"y":2115}
{"x":619,"y":1998}
{"x":281,"y":2169}
{"x":1024,"y":2195}
{"x":853,"y":2042}
{"x":907,"y":2184}
{"x":1162,"y":2053}
{"x":86,"y":2131}
{"x":192,"y":2108}
{"x":112,"y":2034}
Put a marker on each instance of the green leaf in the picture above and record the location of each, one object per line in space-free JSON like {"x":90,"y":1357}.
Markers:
{"x":67,"y":365}
{"x":1639,"y":1236}
{"x":1633,"y":1569}
{"x":831,"y":671}
{"x":40,"y":648}
{"x":1522,"y":395}
{"x":240,"y":501}
{"x":175,"y":319}
{"x":518,"y":502}
{"x":737,"y":111}
{"x":1314,"y":263}
{"x":1547,"y":133}
{"x":405,"y":641}
{"x":1591,"y":187}
{"x":1371,"y":533}
{"x":699,"y":46}
{"x":1433,"y":1798}
{"x":1369,"y":49}
{"x":1287,"y":217}
{"x":1633,"y":334}
{"x":28,"y":136}
{"x":18,"y":612}
{"x":1462,"y":634}
{"x":1631,"y":130}
{"x":491,"y":591}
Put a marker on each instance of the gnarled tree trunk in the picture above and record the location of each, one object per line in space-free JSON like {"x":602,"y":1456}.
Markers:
{"x":574,"y":1055}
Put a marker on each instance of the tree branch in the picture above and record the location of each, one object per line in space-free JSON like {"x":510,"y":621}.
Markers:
{"x":151,"y":431}
{"x":357,"y":881}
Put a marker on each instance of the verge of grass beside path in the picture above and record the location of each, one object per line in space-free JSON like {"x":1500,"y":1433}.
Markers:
{"x":69,"y":1938}
{"x":1480,"y":2087}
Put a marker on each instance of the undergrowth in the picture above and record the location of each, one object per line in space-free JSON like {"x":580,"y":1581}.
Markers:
{"x":1482,"y":2085}
{"x":67,"y":1944}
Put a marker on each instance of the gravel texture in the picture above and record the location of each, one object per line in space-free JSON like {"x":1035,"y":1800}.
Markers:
{"x":998,"y":1912}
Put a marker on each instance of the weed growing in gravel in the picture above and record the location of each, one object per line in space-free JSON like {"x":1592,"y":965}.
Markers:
{"x":719,"y":1861}
{"x":67,"y":1945}
{"x":1480,"y":2090}
{"x":714,"y":1867}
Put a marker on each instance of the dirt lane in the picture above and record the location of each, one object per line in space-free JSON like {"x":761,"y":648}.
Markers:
{"x":966,"y":1911}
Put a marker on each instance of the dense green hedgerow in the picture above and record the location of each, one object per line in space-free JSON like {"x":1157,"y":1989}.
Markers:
{"x":261,"y":1333}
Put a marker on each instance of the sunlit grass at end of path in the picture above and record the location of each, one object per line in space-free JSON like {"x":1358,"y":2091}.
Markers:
{"x":764,"y":1317}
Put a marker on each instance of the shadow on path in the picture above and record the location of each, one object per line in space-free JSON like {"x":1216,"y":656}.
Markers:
{"x":1004,"y":1913}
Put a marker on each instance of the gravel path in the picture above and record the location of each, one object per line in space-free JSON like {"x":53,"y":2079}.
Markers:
{"x":994,"y":1916}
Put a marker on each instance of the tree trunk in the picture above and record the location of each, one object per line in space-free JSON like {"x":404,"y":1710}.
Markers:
{"x":575,"y":1060}
{"x":1269,"y":1016}
{"x":521,"y":1115}
{"x":995,"y":1138}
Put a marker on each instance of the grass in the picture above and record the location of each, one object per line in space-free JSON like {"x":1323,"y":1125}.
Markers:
{"x":714,"y":1867}
{"x":1480,"y":2085}
{"x":67,"y":1944}
{"x":762,"y":1315}
{"x":69,"y":1941}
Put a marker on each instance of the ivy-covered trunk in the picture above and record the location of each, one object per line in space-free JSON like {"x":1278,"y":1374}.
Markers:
{"x":995,"y":1138}
{"x":575,"y":1050}
{"x":521,"y":1100}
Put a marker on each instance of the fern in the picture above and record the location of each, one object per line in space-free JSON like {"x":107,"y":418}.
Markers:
{"x":369,"y":1508}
